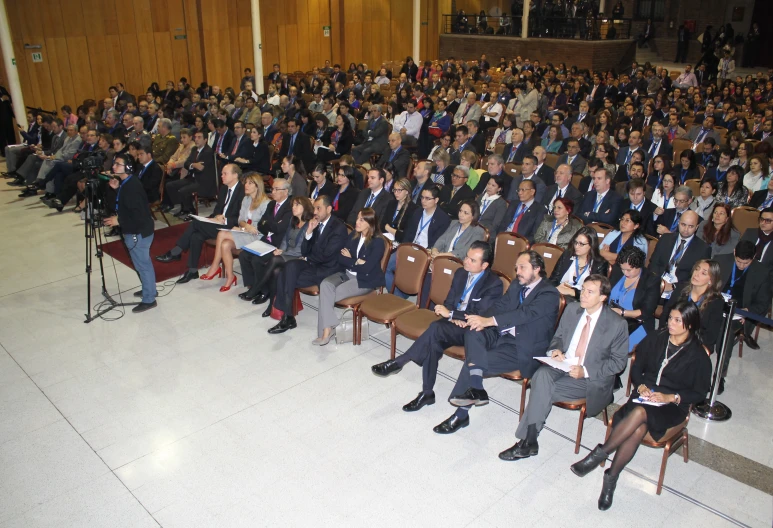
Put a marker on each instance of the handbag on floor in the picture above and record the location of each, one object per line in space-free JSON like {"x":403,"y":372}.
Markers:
{"x":345,"y":330}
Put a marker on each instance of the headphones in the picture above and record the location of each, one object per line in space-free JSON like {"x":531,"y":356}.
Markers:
{"x":128,"y":162}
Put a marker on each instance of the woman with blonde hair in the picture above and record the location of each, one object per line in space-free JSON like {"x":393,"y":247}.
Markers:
{"x":361,"y":260}
{"x":253,"y":206}
{"x":470,"y":160}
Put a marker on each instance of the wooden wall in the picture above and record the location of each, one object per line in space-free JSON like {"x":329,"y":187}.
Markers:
{"x":292,"y":34}
{"x":88,"y":46}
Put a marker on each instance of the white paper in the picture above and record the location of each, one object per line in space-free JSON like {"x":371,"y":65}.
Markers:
{"x":647,"y":402}
{"x":411,"y":259}
{"x":207,"y":220}
{"x":259,"y":248}
{"x":447,"y":271}
{"x":389,"y":236}
{"x":565,"y":365}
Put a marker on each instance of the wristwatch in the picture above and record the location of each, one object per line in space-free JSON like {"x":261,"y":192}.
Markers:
{"x":623,"y":313}
{"x":677,"y":399}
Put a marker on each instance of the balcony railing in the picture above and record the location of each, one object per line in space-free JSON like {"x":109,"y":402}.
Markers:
{"x":590,"y":28}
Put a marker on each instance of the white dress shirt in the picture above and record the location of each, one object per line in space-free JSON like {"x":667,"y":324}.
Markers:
{"x":570,"y":351}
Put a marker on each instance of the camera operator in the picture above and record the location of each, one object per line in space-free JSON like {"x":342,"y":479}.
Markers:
{"x":133,"y":210}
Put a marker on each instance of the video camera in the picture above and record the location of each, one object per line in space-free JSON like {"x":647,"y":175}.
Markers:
{"x":91,"y":164}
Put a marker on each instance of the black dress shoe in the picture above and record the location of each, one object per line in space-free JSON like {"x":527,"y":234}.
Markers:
{"x":54,"y":203}
{"x":522,"y":449}
{"x":167,"y":208}
{"x":181,"y":213}
{"x":451,"y":425}
{"x":386,"y":368}
{"x":607,"y":491}
{"x":139,"y":294}
{"x":267,"y":311}
{"x":144,"y":307}
{"x":168,"y":257}
{"x":248,"y":295}
{"x":18,"y":182}
{"x":26,"y":193}
{"x":421,"y":400}
{"x":590,"y":462}
{"x":188,"y":276}
{"x":287,"y":323}
{"x":47,"y":196}
{"x":260,"y":299}
{"x":471,"y":396}
{"x":751,"y":342}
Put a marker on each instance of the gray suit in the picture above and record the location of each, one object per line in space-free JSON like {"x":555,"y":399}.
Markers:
{"x":493,"y":215}
{"x":463,"y":243}
{"x":64,"y":154}
{"x":31,"y":166}
{"x":377,"y":141}
{"x":473,"y":115}
{"x":605,"y":357}
{"x":578,"y":164}
{"x":538,"y":183}
{"x":695,"y":131}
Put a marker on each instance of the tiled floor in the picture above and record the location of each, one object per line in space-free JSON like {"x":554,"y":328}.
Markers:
{"x":192,"y":415}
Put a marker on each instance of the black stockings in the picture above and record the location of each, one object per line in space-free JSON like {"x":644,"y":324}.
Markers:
{"x":625,"y":439}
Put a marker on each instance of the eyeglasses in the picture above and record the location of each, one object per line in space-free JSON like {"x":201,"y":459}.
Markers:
{"x":766,"y":220}
{"x":681,"y":201}
{"x":427,"y":198}
{"x":278,"y":189}
{"x":581,"y":244}
{"x":458,"y":175}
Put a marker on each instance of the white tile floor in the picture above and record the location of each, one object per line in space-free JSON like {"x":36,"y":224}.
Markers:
{"x":192,"y":415}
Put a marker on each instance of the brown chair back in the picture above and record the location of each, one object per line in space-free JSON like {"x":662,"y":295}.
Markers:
{"x":504,"y":278}
{"x":651,"y":243}
{"x":506,"y":250}
{"x":550,"y":254}
{"x":745,"y":217}
{"x":512,"y":169}
{"x":680,"y":145}
{"x":443,"y":269}
{"x":601,"y":229}
{"x":576,"y":179}
{"x":486,"y":232}
{"x":411,"y":266}
{"x":387,"y":253}
{"x":551,"y":159}
{"x":561,"y":308}
{"x":695,"y":185}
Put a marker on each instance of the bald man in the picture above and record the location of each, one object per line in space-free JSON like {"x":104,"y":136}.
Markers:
{"x":397,"y":155}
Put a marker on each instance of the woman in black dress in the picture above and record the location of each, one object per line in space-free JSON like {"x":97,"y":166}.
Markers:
{"x":7,"y":132}
{"x":346,"y":195}
{"x":672,"y":372}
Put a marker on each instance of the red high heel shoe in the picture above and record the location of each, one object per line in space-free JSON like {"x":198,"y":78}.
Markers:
{"x":226,"y":288}
{"x":218,"y":274}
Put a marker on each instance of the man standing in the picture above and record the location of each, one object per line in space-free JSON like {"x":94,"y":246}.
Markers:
{"x":136,"y":225}
{"x":505,"y":337}
{"x":593,"y":369}
{"x":473,"y":290}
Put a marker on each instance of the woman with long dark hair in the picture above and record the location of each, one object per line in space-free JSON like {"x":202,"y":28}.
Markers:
{"x":672,"y":372}
{"x":341,"y":141}
{"x":718,"y":230}
{"x":629,"y":234}
{"x":581,"y":260}
{"x":731,"y":191}
{"x":295,"y":173}
{"x":361,"y":260}
{"x":635,"y":293}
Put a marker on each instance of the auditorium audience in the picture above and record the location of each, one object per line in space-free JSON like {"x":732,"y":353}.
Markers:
{"x":718,"y":231}
{"x":635,"y":293}
{"x":577,"y":263}
{"x":559,"y":227}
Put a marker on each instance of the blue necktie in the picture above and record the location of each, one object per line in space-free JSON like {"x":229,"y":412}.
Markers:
{"x":370,"y":200}
{"x":292,"y":144}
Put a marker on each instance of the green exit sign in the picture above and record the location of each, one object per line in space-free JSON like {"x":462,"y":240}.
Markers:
{"x":180,"y":37}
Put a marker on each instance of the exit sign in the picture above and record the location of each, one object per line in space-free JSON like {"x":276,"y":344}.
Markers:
{"x":37,"y":57}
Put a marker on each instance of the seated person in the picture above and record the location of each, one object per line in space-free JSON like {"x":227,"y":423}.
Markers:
{"x":321,"y":184}
{"x":323,"y":239}
{"x":451,"y":196}
{"x":601,"y":204}
{"x":524,"y":215}
{"x":424,"y":228}
{"x":663,"y":197}
{"x":295,"y":173}
{"x":732,"y":191}
{"x":199,"y":177}
{"x":341,"y":141}
{"x":361,"y":262}
{"x":226,"y":213}
{"x":676,"y":253}
{"x":505,"y":337}
{"x":718,"y":231}
{"x":246,"y":231}
{"x":492,"y":205}
{"x":669,"y":220}
{"x":559,"y":227}
{"x":259,"y":159}
{"x":594,"y":369}
{"x":762,"y":237}
{"x":629,"y":234}
{"x":399,"y":211}
{"x":346,"y":194}
{"x":703,"y":289}
{"x":456,"y":240}
{"x":704,"y":203}
{"x":581,"y":260}
{"x":373,"y":196}
{"x":474,"y":289}
{"x":672,"y":368}
{"x":260,"y":274}
{"x":745,"y":280}
{"x":635,"y":293}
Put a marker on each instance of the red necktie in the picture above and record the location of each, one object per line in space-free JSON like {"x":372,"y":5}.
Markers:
{"x":236,"y":146}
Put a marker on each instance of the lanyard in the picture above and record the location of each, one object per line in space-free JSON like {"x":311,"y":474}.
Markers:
{"x":468,"y":290}
{"x":555,"y":227}
{"x":577,"y":272}
{"x":620,"y":243}
{"x":666,"y":361}
{"x":665,"y":203}
{"x":677,"y":215}
{"x":678,"y":256}
{"x":456,"y":238}
{"x":118,"y":194}
{"x":733,"y":279}
{"x":422,"y":225}
{"x":621,"y":289}
{"x":316,"y":192}
{"x":683,"y":174}
{"x":417,"y":190}
{"x":335,"y":202}
{"x":397,"y":212}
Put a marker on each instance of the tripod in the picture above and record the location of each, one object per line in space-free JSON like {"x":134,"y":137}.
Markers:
{"x":93,"y":234}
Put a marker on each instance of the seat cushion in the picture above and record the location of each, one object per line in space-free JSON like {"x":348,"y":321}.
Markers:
{"x":456,"y":352}
{"x":515,"y":375}
{"x":415,"y":323}
{"x":571,"y":404}
{"x":351,"y":302}
{"x":385,"y":308}
{"x":309,"y":290}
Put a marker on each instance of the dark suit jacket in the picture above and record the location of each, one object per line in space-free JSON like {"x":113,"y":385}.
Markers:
{"x":608,"y":211}
{"x":228,"y":138}
{"x":451,"y":205}
{"x":607,"y":351}
{"x":377,"y":135}
{"x":479,"y":142}
{"x":243,"y":150}
{"x":151,"y":180}
{"x":276,"y":223}
{"x":698,"y":249}
{"x":234,"y":206}
{"x":400,"y":221}
{"x":379,"y":205}
{"x":666,"y":150}
{"x":259,"y":160}
{"x":585,"y":147}
{"x":570,"y":193}
{"x":645,"y":296}
{"x":437,"y":226}
{"x":647,"y":210}
{"x":520,"y":152}
{"x":752,"y":235}
{"x":758,"y":198}
{"x":599,"y":266}
{"x":756,"y":288}
{"x":533,"y":320}
{"x":346,"y":202}
{"x":207,"y":178}
{"x":401,"y":161}
{"x":530,"y":221}
{"x":329,"y":189}
{"x":487,"y":291}
{"x":322,"y":251}
{"x":301,"y":149}
{"x":369,"y":275}
{"x":666,"y":220}
{"x":547,"y":174}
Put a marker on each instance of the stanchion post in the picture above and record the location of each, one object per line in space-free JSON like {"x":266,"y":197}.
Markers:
{"x":712,"y":410}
